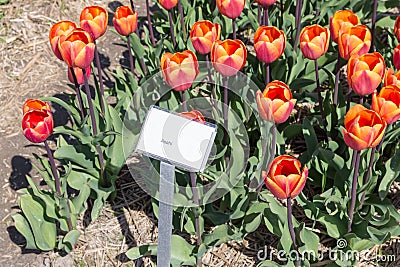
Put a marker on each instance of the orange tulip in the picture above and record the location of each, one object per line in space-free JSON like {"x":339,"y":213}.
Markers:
{"x":35,"y":104}
{"x":387,"y":103}
{"x":314,"y":41}
{"x":265,"y":3}
{"x":231,"y":8}
{"x":397,"y":28}
{"x":285,"y":178}
{"x":365,"y":73}
{"x":194,"y":115}
{"x":396,"y":57}
{"x":59,"y":31}
{"x":77,"y":49}
{"x":363,"y":128}
{"x":180,"y":69}
{"x":168,"y":4}
{"x":356,"y":41}
{"x":269,"y":43}
{"x":94,"y":20}
{"x":391,"y":78}
{"x":276,"y":102}
{"x":341,"y":22}
{"x":203,"y":34}
{"x":125,"y":20}
{"x":37,"y":125}
{"x":228,"y":56}
{"x":79,"y":75}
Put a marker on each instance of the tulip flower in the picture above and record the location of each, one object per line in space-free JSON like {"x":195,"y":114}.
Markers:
{"x":94,"y":20}
{"x":37,"y":125}
{"x":265,"y":3}
{"x":275,"y":103}
{"x":396,"y":57}
{"x":77,"y":49}
{"x":168,"y":4}
{"x":269,"y":43}
{"x":79,"y":75}
{"x":180,"y":69}
{"x":363,"y":128}
{"x":286,"y":178}
{"x":391,"y":78}
{"x":125,"y":20}
{"x":59,"y":31}
{"x":365,"y":73}
{"x":355,"y":41}
{"x":203,"y":34}
{"x":194,"y":115}
{"x":314,"y":41}
{"x":230,"y":8}
{"x":35,"y":104}
{"x":397,"y":28}
{"x":228,"y":56}
{"x":387,"y":103}
{"x":341,"y":22}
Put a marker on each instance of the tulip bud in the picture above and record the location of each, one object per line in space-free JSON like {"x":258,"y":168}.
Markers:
{"x":168,"y":4}
{"x":341,"y":22}
{"x":397,"y":28}
{"x":363,"y":128}
{"x":365,"y":73}
{"x":180,"y":69}
{"x":314,"y":41}
{"x":387,"y":103}
{"x":355,"y":41}
{"x":35,"y":104}
{"x":285,"y":178}
{"x":231,"y":8}
{"x":396,"y":57}
{"x":269,"y":43}
{"x":37,"y":125}
{"x":194,"y":115}
{"x":94,"y":20}
{"x":125,"y":20}
{"x":77,"y":49}
{"x":59,"y":31}
{"x":265,"y":3}
{"x":79,"y":75}
{"x":203,"y":34}
{"x":228,"y":56}
{"x":392,"y":78}
{"x":275,"y":103}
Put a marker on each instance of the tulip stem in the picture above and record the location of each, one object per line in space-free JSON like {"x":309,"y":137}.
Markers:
{"x":78,"y":92}
{"x":273,"y":144}
{"x":299,"y":4}
{"x":368,"y":175}
{"x":354,"y":190}
{"x":128,"y":40}
{"x":94,"y":127}
{"x":281,"y":13}
{"x":259,"y":15}
{"x":226,"y":108}
{"x":197,"y":203}
{"x":149,"y":24}
{"x":184,"y":100}
{"x":266,"y":16}
{"x":234,"y":28}
{"x":182,"y":19}
{"x":171,"y":27}
{"x":337,"y":76}
{"x":320,"y":101}
{"x":210,"y":81}
{"x":373,"y":25}
{"x":57,"y":182}
{"x":267,"y":73}
{"x":291,"y":228}
{"x":99,"y":73}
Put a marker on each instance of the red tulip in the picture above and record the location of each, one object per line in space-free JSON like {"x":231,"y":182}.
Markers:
{"x":168,"y":4}
{"x":231,"y":8}
{"x":341,"y":22}
{"x":59,"y":31}
{"x":125,"y":20}
{"x":79,"y":75}
{"x":355,"y":41}
{"x":180,"y":69}
{"x":194,"y":115}
{"x":94,"y":20}
{"x":228,"y":56}
{"x":35,"y":104}
{"x":37,"y":125}
{"x":387,"y":103}
{"x":392,"y":78}
{"x":265,"y":3}
{"x":397,"y":28}
{"x":77,"y":49}
{"x":365,"y":73}
{"x":363,"y":128}
{"x":285,"y":178}
{"x":314,"y":41}
{"x":396,"y":57}
{"x":269,"y":43}
{"x":276,"y":102}
{"x":203,"y":34}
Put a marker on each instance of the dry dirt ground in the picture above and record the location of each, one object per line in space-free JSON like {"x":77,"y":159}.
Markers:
{"x":30,"y":70}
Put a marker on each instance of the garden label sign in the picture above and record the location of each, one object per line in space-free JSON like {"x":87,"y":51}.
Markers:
{"x":177,"y":141}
